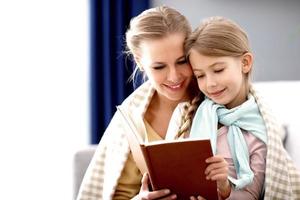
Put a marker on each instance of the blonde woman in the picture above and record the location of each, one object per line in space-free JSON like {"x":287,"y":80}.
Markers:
{"x":155,"y":39}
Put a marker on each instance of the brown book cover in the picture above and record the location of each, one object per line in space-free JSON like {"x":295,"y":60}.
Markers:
{"x":179,"y":165}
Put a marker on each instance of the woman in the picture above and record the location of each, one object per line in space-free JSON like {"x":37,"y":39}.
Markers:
{"x":155,"y":40}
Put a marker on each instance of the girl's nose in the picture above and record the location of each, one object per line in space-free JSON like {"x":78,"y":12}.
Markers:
{"x":210,"y":81}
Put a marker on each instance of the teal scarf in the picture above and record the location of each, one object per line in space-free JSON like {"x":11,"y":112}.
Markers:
{"x":246,"y":117}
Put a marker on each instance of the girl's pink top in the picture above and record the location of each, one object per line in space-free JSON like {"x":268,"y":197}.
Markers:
{"x":257,"y":151}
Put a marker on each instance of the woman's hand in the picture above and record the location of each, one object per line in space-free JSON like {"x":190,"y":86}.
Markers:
{"x":198,"y":198}
{"x":144,"y":194}
{"x":217,"y":170}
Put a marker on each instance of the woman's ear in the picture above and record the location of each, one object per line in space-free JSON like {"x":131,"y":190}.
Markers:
{"x":247,"y":62}
{"x":138,"y":64}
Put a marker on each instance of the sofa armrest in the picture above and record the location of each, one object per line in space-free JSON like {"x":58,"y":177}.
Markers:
{"x":82,"y":159}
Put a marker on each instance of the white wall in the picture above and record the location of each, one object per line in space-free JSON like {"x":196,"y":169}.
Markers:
{"x":43,"y":96}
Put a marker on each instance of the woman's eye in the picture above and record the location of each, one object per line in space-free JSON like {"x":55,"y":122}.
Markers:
{"x":181,"y":62}
{"x":199,"y":76}
{"x":158,"y":67}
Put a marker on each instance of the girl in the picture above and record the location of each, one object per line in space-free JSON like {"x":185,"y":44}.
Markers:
{"x":155,"y":39}
{"x":233,"y":117}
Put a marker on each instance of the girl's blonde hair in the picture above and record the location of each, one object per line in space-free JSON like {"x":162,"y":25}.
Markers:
{"x":154,"y":23}
{"x":216,"y":36}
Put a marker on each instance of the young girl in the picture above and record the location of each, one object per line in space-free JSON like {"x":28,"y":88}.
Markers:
{"x":232,"y":116}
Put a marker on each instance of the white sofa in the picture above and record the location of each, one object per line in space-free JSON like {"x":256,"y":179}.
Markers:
{"x":282,"y":97}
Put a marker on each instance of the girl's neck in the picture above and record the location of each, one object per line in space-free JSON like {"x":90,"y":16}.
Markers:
{"x":240,"y":98}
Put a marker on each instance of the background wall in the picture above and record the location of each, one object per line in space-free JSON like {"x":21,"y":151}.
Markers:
{"x":43,"y":96}
{"x":273,"y":27}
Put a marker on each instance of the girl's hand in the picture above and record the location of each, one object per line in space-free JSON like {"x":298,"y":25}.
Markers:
{"x":217,"y":170}
{"x":145,"y":194}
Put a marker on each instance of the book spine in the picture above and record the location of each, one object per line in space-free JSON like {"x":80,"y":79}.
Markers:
{"x":149,"y":167}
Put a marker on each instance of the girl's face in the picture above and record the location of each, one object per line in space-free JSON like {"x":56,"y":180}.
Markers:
{"x":222,"y":79}
{"x":164,"y":62}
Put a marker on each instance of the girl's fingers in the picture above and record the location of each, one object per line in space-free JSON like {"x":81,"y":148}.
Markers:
{"x":223,"y":170}
{"x":216,"y":163}
{"x":218,"y":177}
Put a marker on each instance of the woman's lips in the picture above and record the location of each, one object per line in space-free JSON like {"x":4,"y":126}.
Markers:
{"x":176,"y":86}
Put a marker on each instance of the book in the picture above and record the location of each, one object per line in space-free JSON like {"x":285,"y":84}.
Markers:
{"x":178,"y":165}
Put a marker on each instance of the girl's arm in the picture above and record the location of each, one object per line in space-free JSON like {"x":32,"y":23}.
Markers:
{"x":217,"y":170}
{"x":257,"y":151}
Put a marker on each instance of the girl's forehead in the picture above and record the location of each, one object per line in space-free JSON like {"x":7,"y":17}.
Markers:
{"x":200,"y":61}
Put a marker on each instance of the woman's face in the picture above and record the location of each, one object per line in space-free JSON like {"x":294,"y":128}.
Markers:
{"x":165,"y":65}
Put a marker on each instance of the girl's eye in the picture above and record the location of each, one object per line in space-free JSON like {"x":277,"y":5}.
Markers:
{"x":218,"y":70}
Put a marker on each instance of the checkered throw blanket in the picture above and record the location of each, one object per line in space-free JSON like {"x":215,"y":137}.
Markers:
{"x":282,"y":179}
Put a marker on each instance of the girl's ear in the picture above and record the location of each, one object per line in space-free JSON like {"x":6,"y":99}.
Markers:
{"x":247,"y":62}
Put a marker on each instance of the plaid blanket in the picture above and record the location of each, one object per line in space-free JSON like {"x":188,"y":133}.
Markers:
{"x":112,"y":152}
{"x":282,"y":180}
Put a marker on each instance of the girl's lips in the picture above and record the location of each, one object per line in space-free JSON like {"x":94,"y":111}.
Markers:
{"x":217,"y":93}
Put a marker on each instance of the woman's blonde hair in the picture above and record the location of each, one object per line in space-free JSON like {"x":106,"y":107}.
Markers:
{"x":216,"y":36}
{"x":154,"y":23}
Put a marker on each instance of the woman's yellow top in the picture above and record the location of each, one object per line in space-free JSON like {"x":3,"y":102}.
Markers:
{"x":130,"y":180}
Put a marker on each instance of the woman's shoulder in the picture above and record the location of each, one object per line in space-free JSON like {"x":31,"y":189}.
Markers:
{"x":272,"y":123}
{"x":140,"y":97}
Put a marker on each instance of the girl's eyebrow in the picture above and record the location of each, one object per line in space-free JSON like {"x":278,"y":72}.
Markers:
{"x":210,"y":66}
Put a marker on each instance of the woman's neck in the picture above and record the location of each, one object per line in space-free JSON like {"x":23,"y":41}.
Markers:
{"x":161,"y":102}
{"x":159,"y":113}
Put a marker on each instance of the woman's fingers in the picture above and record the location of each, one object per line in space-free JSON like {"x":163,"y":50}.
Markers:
{"x":198,"y":198}
{"x":144,"y":194}
{"x":161,"y":194}
{"x":145,"y":181}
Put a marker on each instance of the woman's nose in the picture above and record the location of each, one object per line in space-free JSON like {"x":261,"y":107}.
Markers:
{"x":173,"y":74}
